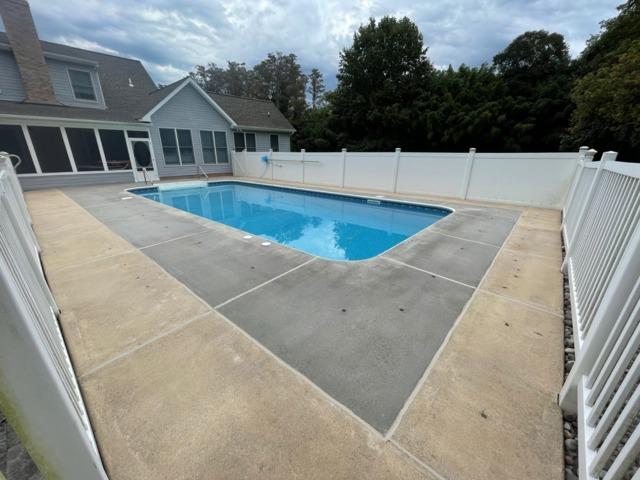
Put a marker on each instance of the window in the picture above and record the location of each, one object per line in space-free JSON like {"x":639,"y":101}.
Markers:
{"x":238,"y":140}
{"x":85,"y":149}
{"x":250,"y":140}
{"x":169,"y":146}
{"x":12,"y":141}
{"x":50,"y":149}
{"x":177,"y":146}
{"x":115,"y":149}
{"x":208,"y":148}
{"x":186,"y":146}
{"x":82,"y":85}
{"x":275,"y":143}
{"x":244,"y":140}
{"x":221,"y":147}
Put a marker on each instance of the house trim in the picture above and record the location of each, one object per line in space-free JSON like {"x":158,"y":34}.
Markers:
{"x":248,"y":128}
{"x":188,"y":81}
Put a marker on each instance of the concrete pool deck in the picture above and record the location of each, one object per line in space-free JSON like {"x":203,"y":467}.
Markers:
{"x":205,"y":355}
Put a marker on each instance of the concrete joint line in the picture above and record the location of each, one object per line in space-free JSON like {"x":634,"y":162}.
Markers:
{"x":398,"y":262}
{"x":93,"y":260}
{"x":439,"y":232}
{"x":419,"y":463}
{"x":445,"y":342}
{"x":205,"y":230}
{"x":533,"y":255}
{"x":139,"y":346}
{"x":264,"y":283}
{"x":535,"y":306}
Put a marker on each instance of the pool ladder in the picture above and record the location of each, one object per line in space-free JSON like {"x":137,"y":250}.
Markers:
{"x":201,"y":170}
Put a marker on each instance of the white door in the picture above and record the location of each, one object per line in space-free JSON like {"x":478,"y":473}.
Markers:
{"x":144,"y":168}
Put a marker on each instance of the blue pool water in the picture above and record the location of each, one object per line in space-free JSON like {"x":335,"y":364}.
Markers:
{"x":332,"y":226}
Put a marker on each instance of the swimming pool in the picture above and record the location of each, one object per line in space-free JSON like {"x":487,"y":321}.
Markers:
{"x":332,"y":226}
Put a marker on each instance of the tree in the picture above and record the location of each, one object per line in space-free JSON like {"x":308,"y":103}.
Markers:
{"x":607,"y":97}
{"x":379,"y":78}
{"x":316,"y":88}
{"x":279,"y":78}
{"x":537,"y":71}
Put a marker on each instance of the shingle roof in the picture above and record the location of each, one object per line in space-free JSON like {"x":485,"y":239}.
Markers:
{"x":129,"y":104}
{"x":251,"y":112}
{"x":124,"y":103}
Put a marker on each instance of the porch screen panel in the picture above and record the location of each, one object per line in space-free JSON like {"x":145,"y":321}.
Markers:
{"x":85,"y":149}
{"x":12,"y":141}
{"x":50,"y":149}
{"x":115,"y":149}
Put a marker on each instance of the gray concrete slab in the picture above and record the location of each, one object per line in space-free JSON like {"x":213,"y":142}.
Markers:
{"x":480,"y":228}
{"x":460,"y":260}
{"x":363,"y":331}
{"x":147,"y":225}
{"x":219,"y":264}
{"x":485,"y":212}
{"x":97,"y":194}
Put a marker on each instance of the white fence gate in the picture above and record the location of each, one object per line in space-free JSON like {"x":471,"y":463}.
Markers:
{"x":38,"y":389}
{"x":601,"y":230}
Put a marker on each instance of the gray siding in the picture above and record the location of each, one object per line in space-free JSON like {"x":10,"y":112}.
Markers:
{"x":188,"y":110}
{"x":10,"y":81}
{"x":62,"y":84}
{"x":263,"y":141}
{"x":12,"y":90}
{"x":73,"y":179}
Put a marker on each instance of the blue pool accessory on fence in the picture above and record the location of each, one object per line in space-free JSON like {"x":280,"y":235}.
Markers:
{"x":265,"y":159}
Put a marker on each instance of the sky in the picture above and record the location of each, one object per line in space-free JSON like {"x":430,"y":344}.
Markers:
{"x":171,"y":37}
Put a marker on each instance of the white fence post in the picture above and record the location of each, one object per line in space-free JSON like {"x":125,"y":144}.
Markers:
{"x":302,"y":152}
{"x":606,"y":157}
{"x":344,"y":164}
{"x":396,"y":169}
{"x":582,"y":157}
{"x":467,"y":173}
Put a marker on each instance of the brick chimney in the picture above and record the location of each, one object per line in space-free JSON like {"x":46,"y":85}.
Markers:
{"x":27,"y":51}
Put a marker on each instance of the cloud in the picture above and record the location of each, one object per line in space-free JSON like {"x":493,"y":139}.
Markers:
{"x":172,"y":37}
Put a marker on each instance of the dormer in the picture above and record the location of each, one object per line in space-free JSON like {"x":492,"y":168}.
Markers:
{"x":31,"y":74}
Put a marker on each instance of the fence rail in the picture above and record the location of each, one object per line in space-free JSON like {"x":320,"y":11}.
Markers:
{"x":39,"y":388}
{"x":536,"y":179}
{"x":601,"y":230}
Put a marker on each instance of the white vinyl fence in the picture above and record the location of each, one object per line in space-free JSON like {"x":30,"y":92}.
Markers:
{"x":601,"y":231}
{"x":38,"y":389}
{"x":535,"y":179}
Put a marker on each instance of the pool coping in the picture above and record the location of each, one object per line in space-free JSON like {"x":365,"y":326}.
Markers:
{"x":378,"y":198}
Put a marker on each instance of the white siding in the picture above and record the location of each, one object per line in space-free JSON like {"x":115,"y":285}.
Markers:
{"x":188,"y":110}
{"x":10,"y":82}
{"x":263,"y":141}
{"x":62,"y":84}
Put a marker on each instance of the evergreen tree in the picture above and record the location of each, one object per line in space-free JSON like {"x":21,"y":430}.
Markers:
{"x":316,"y":88}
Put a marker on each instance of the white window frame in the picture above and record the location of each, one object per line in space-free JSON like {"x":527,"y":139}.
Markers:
{"x":93,"y":85}
{"x":175,"y":134}
{"x":215,"y":147}
{"x":244,"y":135}
{"x":213,"y":141}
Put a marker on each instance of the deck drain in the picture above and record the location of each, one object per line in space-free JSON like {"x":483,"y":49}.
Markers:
{"x":247,"y":237}
{"x":126,"y":198}
{"x":265,"y":244}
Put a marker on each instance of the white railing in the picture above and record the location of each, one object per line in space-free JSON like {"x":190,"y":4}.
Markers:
{"x":601,"y":230}
{"x":38,"y":382}
{"x":535,"y":179}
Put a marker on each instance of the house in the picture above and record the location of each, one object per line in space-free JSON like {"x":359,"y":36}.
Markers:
{"x":79,"y":117}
